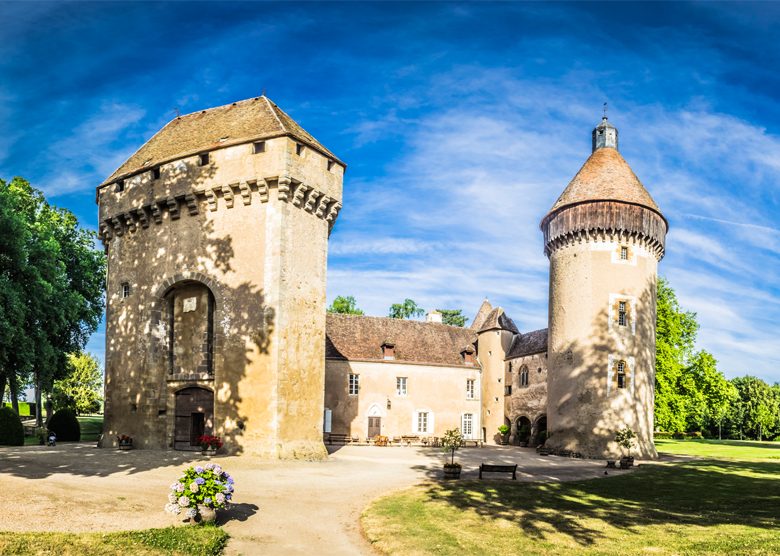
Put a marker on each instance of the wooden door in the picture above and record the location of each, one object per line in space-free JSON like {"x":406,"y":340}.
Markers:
{"x":374,"y":426}
{"x":194,"y":417}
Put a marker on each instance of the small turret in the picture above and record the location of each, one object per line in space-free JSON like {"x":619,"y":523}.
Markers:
{"x":605,"y":135}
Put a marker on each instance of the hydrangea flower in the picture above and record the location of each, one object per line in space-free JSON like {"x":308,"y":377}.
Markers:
{"x":173,"y":508}
{"x":207,"y":500}
{"x":200,"y":480}
{"x":217,"y":469}
{"x":198,"y":469}
{"x":194,"y":487}
{"x":210,"y":466}
{"x":220,"y":498}
{"x":184,"y":501}
{"x":179,"y":487}
{"x":191,"y":513}
{"x":172,"y":497}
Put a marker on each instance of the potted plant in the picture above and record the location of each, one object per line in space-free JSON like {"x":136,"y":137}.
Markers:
{"x":625,"y":439}
{"x":451,"y":441}
{"x":200,"y":492}
{"x":125,"y":442}
{"x":503,"y":430}
{"x":209,"y":444}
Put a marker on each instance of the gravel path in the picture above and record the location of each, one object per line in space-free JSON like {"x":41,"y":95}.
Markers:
{"x":280,"y":507}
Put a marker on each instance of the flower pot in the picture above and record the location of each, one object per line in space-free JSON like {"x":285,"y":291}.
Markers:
{"x":209,"y":452}
{"x":125,"y":446}
{"x":205,"y":515}
{"x":452,"y":472}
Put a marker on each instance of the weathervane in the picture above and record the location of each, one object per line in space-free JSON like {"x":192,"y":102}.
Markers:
{"x":605,"y":110}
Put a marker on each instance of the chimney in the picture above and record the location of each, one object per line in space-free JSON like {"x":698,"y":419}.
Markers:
{"x":433,"y":316}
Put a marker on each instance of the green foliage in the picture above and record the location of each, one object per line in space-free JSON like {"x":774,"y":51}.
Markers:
{"x":25,"y":410}
{"x":345,"y":305}
{"x":11,"y":429}
{"x":65,"y":425}
{"x":756,"y":410}
{"x":625,"y":438}
{"x":453,"y":317}
{"x":406,"y":310}
{"x":81,"y":389}
{"x":51,"y":287}
{"x":451,"y":441}
{"x":209,"y":486}
{"x":503,"y":430}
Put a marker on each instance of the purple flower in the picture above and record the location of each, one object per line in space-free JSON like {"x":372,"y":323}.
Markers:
{"x":179,"y":487}
{"x":207,"y":500}
{"x":191,"y":512}
{"x":220,"y":498}
{"x":172,"y":508}
{"x":200,"y":480}
{"x":184,"y":501}
{"x":230,"y":480}
{"x":217,"y":469}
{"x":198,"y":469}
{"x":210,"y":466}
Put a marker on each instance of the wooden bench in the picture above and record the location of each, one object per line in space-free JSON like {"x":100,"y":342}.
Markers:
{"x":475,"y":443}
{"x":409,"y":439}
{"x":490,"y":468}
{"x":339,"y":438}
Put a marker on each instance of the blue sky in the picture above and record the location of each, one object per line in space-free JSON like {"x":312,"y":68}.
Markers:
{"x":461,"y":123}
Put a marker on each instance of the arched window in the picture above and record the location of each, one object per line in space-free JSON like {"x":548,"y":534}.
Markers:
{"x":523,"y":376}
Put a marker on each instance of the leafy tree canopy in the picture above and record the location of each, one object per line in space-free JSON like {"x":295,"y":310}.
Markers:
{"x":453,"y":317}
{"x":406,"y":310}
{"x":345,"y":305}
{"x":81,"y":389}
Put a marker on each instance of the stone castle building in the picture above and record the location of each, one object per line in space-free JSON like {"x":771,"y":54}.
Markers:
{"x":216,"y":233}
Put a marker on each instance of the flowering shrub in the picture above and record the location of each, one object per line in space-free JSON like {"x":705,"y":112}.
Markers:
{"x":207,"y":441}
{"x":209,"y":486}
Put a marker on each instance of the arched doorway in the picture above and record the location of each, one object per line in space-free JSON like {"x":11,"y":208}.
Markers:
{"x":194,"y":417}
{"x":189,"y":310}
{"x":540,"y":433}
{"x":523,"y":431}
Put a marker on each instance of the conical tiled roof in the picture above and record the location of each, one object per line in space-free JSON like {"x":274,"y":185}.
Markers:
{"x":605,"y":176}
{"x":232,"y":124}
{"x":482,"y":313}
{"x":498,"y":319}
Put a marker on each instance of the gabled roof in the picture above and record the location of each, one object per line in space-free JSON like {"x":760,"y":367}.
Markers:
{"x":497,"y":319}
{"x":232,"y":124}
{"x":357,"y":337}
{"x":482,"y":313}
{"x":605,"y":176}
{"x":529,"y":343}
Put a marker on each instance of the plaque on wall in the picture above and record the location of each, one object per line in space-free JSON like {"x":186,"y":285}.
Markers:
{"x":190,"y":304}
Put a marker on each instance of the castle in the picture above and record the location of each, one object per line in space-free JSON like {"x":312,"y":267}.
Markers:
{"x":216,"y":233}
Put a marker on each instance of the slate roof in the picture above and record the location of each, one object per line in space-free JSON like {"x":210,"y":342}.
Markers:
{"x":605,"y":176}
{"x":232,"y":124}
{"x":528,"y":344}
{"x":356,"y":337}
{"x":498,"y":319}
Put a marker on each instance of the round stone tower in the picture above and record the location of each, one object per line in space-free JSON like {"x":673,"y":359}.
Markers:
{"x":604,"y":237}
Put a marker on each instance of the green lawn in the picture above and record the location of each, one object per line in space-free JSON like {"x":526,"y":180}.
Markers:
{"x":720,"y":449}
{"x":91,"y":429}
{"x":200,"y":541}
{"x":724,"y":506}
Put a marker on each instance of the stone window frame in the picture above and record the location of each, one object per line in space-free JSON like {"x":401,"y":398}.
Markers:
{"x":125,"y":290}
{"x":613,"y":362}
{"x":614,"y":316}
{"x":524,"y":377}
{"x":258,"y":147}
{"x":416,"y":421}
{"x":631,"y":254}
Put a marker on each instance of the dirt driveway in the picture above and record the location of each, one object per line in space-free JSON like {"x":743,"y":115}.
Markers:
{"x":280,"y":507}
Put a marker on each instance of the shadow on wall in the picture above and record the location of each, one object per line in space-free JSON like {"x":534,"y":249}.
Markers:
{"x":181,"y":246}
{"x":590,"y":407}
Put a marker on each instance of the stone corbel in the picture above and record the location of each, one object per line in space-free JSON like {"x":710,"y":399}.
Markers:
{"x":311,"y":200}
{"x":156,"y":213}
{"x":130,"y":221}
{"x":300,"y":193}
{"x":333,"y":212}
{"x":246,"y":193}
{"x":324,"y":202}
{"x":143,"y":218}
{"x":211,"y":199}
{"x":117,"y":224}
{"x":262,"y":189}
{"x":192,"y":203}
{"x":105,"y":231}
{"x":227,"y":195}
{"x":173,"y":207}
{"x":284,"y":187}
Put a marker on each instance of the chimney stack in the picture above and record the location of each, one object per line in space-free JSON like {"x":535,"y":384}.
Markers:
{"x":433,"y":316}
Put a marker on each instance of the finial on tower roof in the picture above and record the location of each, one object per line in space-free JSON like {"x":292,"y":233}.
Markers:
{"x":605,"y":135}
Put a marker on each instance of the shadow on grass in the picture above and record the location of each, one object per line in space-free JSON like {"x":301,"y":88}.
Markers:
{"x":701,"y":493}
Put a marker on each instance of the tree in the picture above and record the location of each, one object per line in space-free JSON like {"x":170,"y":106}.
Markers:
{"x":453,"y":317}
{"x":58,"y":285}
{"x":675,"y":337}
{"x":758,"y":411}
{"x":345,"y":305}
{"x":81,"y":389}
{"x":406,"y":310}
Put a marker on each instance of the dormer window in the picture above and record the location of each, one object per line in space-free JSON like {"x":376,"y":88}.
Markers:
{"x":258,"y":147}
{"x":299,"y":149}
{"x":468,"y":355}
{"x":120,"y":186}
{"x":156,"y":173}
{"x":204,"y":159}
{"x":388,"y":351}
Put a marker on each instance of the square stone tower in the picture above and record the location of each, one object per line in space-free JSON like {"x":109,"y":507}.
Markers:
{"x":216,"y":232}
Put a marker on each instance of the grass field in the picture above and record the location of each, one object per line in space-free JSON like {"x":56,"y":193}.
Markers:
{"x":713,"y":506}
{"x":721,"y":449}
{"x":174,"y":541}
{"x":91,"y":428}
